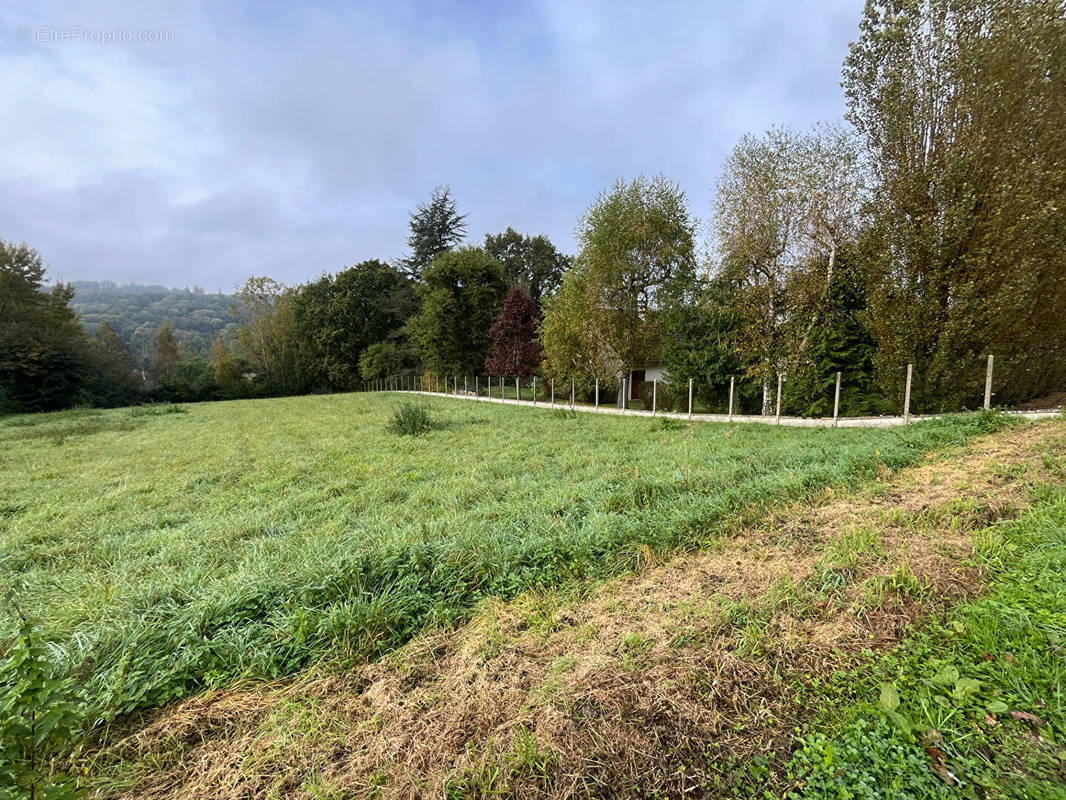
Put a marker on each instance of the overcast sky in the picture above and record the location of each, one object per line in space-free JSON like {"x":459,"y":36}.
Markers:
{"x":260,"y":138}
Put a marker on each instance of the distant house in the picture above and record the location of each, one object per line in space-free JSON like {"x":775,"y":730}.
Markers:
{"x":638,"y":377}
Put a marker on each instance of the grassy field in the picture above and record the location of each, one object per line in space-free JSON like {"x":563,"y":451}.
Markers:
{"x":162,"y":550}
{"x":903,"y":639}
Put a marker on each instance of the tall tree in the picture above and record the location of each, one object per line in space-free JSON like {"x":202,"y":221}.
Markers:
{"x":634,"y":238}
{"x":167,"y":354}
{"x":462,"y":292}
{"x":962,"y":105}
{"x":573,"y":334}
{"x":515,"y":350}
{"x":267,"y":333}
{"x":700,"y":323}
{"x":227,"y":370}
{"x":339,"y":316}
{"x":43,"y":349}
{"x":786,"y":204}
{"x":530,"y":263}
{"x":111,"y":380}
{"x":436,"y":227}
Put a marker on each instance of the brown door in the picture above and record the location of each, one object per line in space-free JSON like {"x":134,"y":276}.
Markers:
{"x":636,"y":379}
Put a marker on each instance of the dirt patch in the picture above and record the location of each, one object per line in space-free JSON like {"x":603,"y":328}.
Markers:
{"x":666,"y":683}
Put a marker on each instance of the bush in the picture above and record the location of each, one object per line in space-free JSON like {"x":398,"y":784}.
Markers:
{"x":663,"y":400}
{"x":40,"y":722}
{"x":411,"y":419}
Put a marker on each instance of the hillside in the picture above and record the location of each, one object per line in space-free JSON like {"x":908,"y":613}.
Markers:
{"x":136,"y":312}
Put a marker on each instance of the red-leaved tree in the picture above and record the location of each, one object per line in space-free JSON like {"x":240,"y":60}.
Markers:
{"x":515,"y":350}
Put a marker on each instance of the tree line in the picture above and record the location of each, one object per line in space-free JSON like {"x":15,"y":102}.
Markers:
{"x":926,"y":229}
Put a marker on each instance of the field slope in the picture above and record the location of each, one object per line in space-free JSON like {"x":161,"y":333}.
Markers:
{"x":165,"y":550}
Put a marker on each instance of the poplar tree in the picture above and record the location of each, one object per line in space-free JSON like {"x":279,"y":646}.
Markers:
{"x":962,"y":107}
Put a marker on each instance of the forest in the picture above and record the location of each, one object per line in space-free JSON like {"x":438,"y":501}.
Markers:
{"x":926,"y":229}
{"x":135,"y":312}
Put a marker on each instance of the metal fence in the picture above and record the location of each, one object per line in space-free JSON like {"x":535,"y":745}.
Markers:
{"x":833,"y":398}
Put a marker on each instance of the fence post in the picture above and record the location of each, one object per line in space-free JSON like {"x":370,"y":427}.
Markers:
{"x":731,"y":379}
{"x":988,"y":384}
{"x":836,"y":402}
{"x":573,"y":393}
{"x":654,"y":394}
{"x":517,"y":392}
{"x":596,"y":401}
{"x":690,"y":398}
{"x":625,"y":394}
{"x":534,"y":390}
{"x":907,"y":394}
{"x":780,"y":380}
{"x":553,"y":392}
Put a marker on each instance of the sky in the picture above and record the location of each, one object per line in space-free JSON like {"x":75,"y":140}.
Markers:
{"x":201,"y":143}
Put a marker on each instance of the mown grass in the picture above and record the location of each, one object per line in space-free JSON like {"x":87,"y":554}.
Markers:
{"x":163,"y":553}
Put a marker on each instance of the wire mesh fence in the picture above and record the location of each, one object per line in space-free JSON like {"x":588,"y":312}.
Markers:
{"x":1011,"y":383}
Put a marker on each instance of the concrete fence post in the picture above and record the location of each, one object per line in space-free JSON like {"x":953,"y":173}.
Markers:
{"x":732,"y":378}
{"x":596,"y":401}
{"x":780,"y":381}
{"x":654,"y":395}
{"x":553,"y":393}
{"x":534,"y":390}
{"x":625,"y":394}
{"x":690,"y":398}
{"x":907,"y":394}
{"x":517,"y":392}
{"x":573,"y":393}
{"x":836,"y":402}
{"x":988,"y":384}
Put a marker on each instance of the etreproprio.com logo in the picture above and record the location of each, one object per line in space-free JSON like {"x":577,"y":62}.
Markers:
{"x":48,"y":34}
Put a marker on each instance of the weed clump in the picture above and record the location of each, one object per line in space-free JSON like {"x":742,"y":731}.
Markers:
{"x":157,"y":410}
{"x":411,"y":419}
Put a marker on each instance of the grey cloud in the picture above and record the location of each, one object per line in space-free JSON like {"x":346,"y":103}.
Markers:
{"x":292,"y":144}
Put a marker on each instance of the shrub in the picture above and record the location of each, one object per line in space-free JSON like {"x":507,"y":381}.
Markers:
{"x":40,"y":721}
{"x":663,"y":400}
{"x":411,"y":419}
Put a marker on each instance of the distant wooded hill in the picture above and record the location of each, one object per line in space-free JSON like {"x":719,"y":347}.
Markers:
{"x":136,"y":311}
